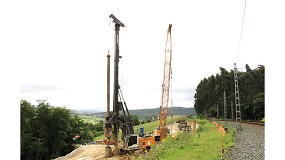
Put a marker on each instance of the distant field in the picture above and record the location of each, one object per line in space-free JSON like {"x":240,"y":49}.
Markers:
{"x":90,"y":119}
{"x":152,"y":125}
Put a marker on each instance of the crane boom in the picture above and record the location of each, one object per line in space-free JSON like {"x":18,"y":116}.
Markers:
{"x":165,"y":85}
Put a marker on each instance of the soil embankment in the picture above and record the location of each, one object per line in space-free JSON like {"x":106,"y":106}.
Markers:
{"x":88,"y":152}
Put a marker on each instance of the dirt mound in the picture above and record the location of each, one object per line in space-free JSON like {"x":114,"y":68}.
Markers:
{"x":88,"y":152}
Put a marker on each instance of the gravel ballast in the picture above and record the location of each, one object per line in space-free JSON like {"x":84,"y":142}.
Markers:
{"x":249,"y":142}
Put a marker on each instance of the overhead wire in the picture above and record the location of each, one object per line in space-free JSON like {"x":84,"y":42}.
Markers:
{"x":241,"y":31}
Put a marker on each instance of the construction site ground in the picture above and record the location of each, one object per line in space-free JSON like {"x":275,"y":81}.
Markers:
{"x":97,"y":152}
{"x":88,"y":152}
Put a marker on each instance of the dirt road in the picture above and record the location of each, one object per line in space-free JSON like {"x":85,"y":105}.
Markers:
{"x":174,"y":130}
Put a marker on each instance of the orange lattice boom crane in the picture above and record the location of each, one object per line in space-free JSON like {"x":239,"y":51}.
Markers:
{"x":163,"y":111}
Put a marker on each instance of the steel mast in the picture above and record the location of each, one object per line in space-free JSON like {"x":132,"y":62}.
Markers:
{"x":237,"y":100}
{"x":163,"y":110}
{"x":116,"y":110}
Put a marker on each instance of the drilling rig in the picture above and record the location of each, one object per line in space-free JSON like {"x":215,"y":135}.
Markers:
{"x":162,"y":130}
{"x":120,"y":117}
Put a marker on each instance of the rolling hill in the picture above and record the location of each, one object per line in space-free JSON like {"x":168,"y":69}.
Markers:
{"x":147,"y":113}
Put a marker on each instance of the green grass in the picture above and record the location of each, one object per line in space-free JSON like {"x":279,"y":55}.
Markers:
{"x":189,"y":146}
{"x":263,"y":119}
{"x":90,"y":119}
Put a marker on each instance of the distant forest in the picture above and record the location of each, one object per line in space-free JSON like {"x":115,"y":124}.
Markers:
{"x":210,"y":93}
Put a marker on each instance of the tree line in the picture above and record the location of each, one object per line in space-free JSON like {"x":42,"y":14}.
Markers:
{"x":48,"y":132}
{"x":210,"y":93}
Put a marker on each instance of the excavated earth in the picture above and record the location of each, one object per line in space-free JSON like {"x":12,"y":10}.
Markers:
{"x":89,"y":152}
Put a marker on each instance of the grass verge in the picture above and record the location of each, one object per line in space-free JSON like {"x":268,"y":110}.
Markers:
{"x":208,"y":143}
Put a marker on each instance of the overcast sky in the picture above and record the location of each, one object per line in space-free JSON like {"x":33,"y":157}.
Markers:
{"x":56,"y":50}
{"x":65,"y":43}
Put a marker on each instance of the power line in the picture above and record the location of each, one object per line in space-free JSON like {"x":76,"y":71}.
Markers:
{"x":241,"y":29}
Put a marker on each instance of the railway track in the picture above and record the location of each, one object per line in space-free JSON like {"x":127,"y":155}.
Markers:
{"x":249,"y":142}
{"x":244,"y":122}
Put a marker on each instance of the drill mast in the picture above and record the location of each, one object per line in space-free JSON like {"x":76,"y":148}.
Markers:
{"x":165,"y":85}
{"x":119,"y":117}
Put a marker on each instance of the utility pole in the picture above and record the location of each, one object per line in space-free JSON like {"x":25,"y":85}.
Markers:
{"x":232,"y":107}
{"x":237,"y":100}
{"x":225,"y":106}
{"x":217,"y":111}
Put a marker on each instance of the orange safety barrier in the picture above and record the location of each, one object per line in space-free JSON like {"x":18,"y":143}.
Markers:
{"x":220,"y":127}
